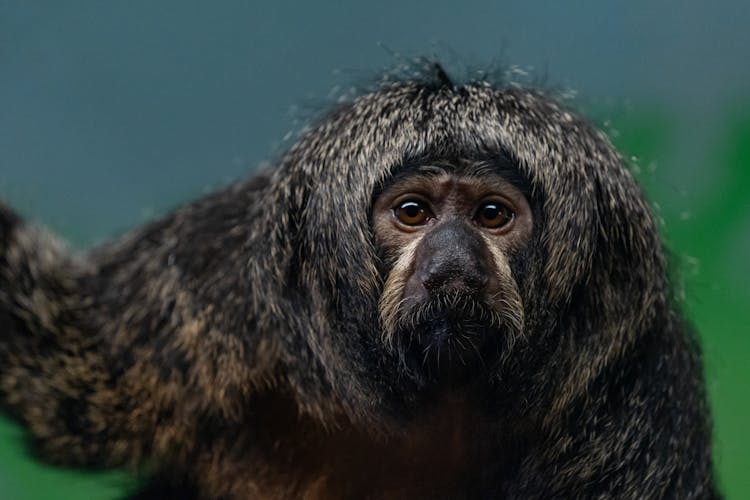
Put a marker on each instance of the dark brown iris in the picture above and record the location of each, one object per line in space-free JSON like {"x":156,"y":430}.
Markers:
{"x":412,"y":213}
{"x":494,"y":215}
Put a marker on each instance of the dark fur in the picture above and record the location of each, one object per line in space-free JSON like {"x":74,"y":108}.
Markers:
{"x":236,"y":342}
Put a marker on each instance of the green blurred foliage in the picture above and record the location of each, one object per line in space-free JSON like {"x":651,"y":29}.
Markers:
{"x":710,"y":249}
{"x":22,"y":478}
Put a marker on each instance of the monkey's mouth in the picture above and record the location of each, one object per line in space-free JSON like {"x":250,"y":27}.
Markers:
{"x":452,"y":338}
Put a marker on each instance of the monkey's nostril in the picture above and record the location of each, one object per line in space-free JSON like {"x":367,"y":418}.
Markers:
{"x":455,"y":281}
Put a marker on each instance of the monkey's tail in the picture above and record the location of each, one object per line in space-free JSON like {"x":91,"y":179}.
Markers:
{"x":51,"y":376}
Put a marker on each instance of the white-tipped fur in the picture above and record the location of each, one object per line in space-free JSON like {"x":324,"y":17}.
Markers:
{"x":507,"y":300}
{"x":392,"y":300}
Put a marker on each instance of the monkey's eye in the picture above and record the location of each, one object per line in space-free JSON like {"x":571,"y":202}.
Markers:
{"x":494,"y":215}
{"x":412,"y":213}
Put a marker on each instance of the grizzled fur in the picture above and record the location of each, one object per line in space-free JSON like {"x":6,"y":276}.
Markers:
{"x":233,"y":349}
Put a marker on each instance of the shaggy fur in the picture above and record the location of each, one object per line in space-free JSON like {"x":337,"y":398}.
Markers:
{"x":234,"y":348}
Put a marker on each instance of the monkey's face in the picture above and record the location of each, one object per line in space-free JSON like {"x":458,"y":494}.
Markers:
{"x":450,"y":303}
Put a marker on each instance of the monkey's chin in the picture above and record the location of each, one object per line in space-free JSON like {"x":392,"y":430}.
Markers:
{"x":453,"y":346}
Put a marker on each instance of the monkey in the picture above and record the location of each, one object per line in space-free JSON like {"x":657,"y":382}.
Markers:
{"x":440,"y":290}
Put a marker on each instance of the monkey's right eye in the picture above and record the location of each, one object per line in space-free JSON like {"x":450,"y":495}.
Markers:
{"x":412,"y":213}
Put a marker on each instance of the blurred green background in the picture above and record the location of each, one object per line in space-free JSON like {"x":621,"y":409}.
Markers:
{"x":113,"y":112}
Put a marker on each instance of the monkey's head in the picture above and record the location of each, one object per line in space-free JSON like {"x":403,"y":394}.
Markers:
{"x":448,"y":234}
{"x":476,"y":238}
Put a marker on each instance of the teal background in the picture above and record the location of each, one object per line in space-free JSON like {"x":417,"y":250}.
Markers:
{"x":112,"y":112}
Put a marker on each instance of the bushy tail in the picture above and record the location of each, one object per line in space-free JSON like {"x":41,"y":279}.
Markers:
{"x":118,"y":358}
{"x":51,"y":377}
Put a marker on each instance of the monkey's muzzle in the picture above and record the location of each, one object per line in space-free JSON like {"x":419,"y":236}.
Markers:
{"x":454,"y":337}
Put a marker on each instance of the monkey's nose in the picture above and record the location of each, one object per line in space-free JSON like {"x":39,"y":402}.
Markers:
{"x":447,"y":277}
{"x":451,"y":260}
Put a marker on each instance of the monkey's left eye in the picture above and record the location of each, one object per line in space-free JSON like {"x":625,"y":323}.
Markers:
{"x":494,"y":215}
{"x":412,"y":213}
